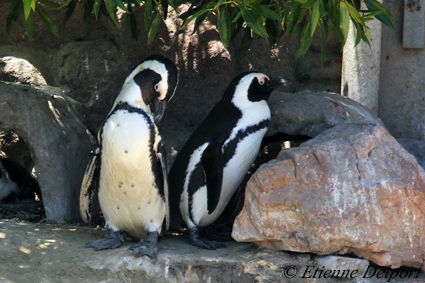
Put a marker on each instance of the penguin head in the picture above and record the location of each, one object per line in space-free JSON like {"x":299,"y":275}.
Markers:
{"x":151,"y":85}
{"x":251,"y":87}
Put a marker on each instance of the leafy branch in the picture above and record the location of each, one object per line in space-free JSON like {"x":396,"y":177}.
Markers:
{"x":268,"y":19}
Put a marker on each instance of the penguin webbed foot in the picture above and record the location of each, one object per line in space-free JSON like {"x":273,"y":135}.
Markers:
{"x":112,"y":241}
{"x":146,"y":246}
{"x":196,"y":240}
{"x":211,"y":233}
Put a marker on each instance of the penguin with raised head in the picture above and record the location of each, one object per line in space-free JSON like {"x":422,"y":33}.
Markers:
{"x":127,"y":178}
{"x":213,"y":162}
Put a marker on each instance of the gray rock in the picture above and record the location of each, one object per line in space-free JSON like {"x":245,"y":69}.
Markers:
{"x":19,"y":70}
{"x":350,"y":189}
{"x":50,"y":124}
{"x":311,"y":113}
{"x":94,"y":72}
{"x":342,"y":265}
{"x":415,"y":147}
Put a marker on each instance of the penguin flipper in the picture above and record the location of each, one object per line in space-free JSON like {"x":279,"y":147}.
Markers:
{"x":161,"y":155}
{"x":89,"y":202}
{"x":212,"y":163}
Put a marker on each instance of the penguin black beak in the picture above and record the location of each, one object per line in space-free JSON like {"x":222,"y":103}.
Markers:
{"x":158,"y":108}
{"x":277,"y":82}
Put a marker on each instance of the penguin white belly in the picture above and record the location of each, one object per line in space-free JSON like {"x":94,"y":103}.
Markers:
{"x":233,"y":174}
{"x":128,"y":197}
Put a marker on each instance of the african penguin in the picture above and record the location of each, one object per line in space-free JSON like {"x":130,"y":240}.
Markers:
{"x":16,"y":183}
{"x":127,"y":178}
{"x":215,"y":159}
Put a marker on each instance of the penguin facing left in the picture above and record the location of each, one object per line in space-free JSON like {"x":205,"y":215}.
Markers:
{"x":213,"y":162}
{"x":127,"y":178}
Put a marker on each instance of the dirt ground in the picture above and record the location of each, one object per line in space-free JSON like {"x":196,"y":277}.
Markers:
{"x":46,"y":252}
{"x":34,"y":250}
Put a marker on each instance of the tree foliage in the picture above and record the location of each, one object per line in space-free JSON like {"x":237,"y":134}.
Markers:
{"x":269,"y":19}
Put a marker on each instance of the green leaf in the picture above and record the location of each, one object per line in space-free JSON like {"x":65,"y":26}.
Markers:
{"x":322,"y":7}
{"x":315,"y":16}
{"x":224,"y":25}
{"x":332,"y":10}
{"x":366,"y":31}
{"x":237,"y":17}
{"x":302,"y":2}
{"x":309,"y":4}
{"x":27,"y":7}
{"x":70,"y":10}
{"x":29,"y":27}
{"x":370,"y":13}
{"x":220,"y":2}
{"x":382,"y":8}
{"x":344,"y":20}
{"x":88,"y":12}
{"x":164,"y":6}
{"x":96,"y":7}
{"x":246,"y":42}
{"x":357,"y":4}
{"x":355,"y":14}
{"x":254,"y":23}
{"x":50,"y":4}
{"x":272,"y":31}
{"x":359,"y":34}
{"x":47,"y":20}
{"x":335,"y":28}
{"x":235,"y":27}
{"x":292,"y":18}
{"x":131,"y":21}
{"x":154,"y":28}
{"x":15,"y":10}
{"x":199,"y":20}
{"x":254,"y":9}
{"x":210,"y":5}
{"x":112,"y":11}
{"x":302,"y":15}
{"x":305,"y":41}
{"x":367,"y":19}
{"x":266,"y":12}
{"x":324,"y":37}
{"x":63,"y":6}
{"x":173,"y":4}
{"x":383,"y":18}
{"x":198,"y":14}
{"x":148,"y":14}
{"x":190,"y":12}
{"x":120,"y":4}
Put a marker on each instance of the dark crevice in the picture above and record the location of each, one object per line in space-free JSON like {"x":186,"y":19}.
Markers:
{"x":17,"y":166}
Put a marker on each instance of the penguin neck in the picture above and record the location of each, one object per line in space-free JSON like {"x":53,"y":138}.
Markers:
{"x":132,"y":95}
{"x":253,"y":113}
{"x":258,"y":110}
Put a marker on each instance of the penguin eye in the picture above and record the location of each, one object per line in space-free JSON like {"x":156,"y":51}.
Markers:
{"x":262,"y":80}
{"x":157,"y":88}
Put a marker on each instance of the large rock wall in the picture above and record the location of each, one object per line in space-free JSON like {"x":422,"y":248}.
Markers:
{"x":50,"y":124}
{"x":92,"y":63}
